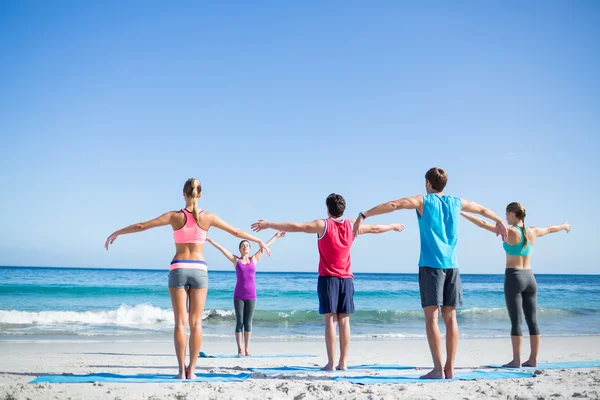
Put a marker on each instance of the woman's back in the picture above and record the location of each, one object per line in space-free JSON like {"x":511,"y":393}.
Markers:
{"x":518,"y":254}
{"x":189,"y":235}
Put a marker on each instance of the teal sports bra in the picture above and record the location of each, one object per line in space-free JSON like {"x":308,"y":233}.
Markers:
{"x":518,"y":249}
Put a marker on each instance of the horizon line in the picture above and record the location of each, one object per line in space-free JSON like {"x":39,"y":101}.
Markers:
{"x":258,"y":272}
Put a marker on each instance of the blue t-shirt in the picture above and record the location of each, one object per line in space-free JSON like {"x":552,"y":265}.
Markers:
{"x":438,"y":227}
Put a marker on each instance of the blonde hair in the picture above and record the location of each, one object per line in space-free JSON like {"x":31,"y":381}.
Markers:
{"x":520,"y":213}
{"x":192,"y":190}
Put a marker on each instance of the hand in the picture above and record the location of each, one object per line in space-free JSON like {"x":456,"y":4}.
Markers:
{"x":111,"y":239}
{"x":502,"y":231}
{"x":280,"y":234}
{"x":356,"y":226}
{"x":259,"y":226}
{"x":398,"y":227}
{"x":264,"y":247}
{"x":567,"y":227}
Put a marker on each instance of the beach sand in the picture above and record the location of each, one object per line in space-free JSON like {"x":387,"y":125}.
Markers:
{"x":22,"y":362}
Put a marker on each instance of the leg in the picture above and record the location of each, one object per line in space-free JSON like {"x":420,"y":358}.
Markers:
{"x":449,"y":315}
{"x":331,"y":320}
{"x":328,"y":288}
{"x":344,"y":322}
{"x":345,"y":308}
{"x":431,"y":287}
{"x":453,"y":297}
{"x":435,"y":342}
{"x":197,"y":301}
{"x":179,"y":303}
{"x":238,"y":306}
{"x":529,"y":309}
{"x":248,"y":315}
{"x":514,"y":305}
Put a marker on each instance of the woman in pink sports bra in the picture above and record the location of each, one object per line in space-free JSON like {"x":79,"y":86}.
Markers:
{"x":188,"y":276}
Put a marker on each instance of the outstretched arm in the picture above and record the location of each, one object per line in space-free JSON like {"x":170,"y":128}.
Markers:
{"x":380,"y":228}
{"x":316,"y":226}
{"x":260,"y":252}
{"x":406,"y":203}
{"x":163,"y":220}
{"x":238,"y":233}
{"x":223,"y":250}
{"x":482,"y":223}
{"x":471,"y":206}
{"x":551,"y":229}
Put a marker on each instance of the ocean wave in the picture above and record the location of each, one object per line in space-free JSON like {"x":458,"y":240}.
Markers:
{"x":141,"y":314}
{"x":146,"y":316}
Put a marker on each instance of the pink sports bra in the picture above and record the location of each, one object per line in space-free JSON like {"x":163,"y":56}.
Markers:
{"x":190,"y":232}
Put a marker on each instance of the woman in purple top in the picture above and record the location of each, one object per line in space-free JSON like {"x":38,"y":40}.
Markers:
{"x":244,"y":295}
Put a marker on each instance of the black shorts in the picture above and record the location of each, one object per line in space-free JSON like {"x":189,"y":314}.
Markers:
{"x":440,"y":287}
{"x":336,"y":295}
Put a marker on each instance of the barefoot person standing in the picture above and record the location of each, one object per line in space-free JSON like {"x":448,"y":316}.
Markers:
{"x":335,"y":286}
{"x":520,"y":286}
{"x":438,"y":215}
{"x":188,"y":276}
{"x":244,"y":295}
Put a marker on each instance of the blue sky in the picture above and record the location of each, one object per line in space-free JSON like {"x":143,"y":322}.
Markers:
{"x":106,"y":108}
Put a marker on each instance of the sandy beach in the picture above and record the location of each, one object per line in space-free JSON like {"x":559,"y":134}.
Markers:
{"x":22,"y":362}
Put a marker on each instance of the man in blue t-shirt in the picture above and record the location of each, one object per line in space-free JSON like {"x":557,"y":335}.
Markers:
{"x":439,"y":280}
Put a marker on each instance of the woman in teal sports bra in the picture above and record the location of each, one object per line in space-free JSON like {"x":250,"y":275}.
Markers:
{"x":520,"y":286}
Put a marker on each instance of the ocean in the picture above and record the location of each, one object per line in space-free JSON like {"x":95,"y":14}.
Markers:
{"x":109,"y":304}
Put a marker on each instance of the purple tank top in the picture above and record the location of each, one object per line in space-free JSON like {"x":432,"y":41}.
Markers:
{"x":245,"y":287}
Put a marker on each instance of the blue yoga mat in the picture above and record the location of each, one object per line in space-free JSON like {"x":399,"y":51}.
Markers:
{"x":459,"y":376}
{"x":300,"y":369}
{"x":142,"y":378}
{"x":554,"y":365}
{"x":204,"y":355}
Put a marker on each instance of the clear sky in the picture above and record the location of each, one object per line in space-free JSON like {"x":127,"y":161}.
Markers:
{"x":106,"y":108}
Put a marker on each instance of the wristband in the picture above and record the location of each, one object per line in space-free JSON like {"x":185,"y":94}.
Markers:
{"x":362,"y":215}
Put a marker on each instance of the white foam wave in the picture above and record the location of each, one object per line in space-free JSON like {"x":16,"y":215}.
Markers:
{"x":126,"y":316}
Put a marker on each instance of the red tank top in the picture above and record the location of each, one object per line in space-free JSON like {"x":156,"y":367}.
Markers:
{"x":334,"y":249}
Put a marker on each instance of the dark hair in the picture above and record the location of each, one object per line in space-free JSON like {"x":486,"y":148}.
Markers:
{"x":242,"y":242}
{"x":520,"y":213}
{"x":336,"y":205}
{"x":192,"y":190}
{"x":437,"y":178}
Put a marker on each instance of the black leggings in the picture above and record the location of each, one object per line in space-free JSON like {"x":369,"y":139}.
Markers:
{"x":244,"y":311}
{"x":520,"y":292}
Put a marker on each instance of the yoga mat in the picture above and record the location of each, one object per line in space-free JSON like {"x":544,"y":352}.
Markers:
{"x":459,"y":376}
{"x":300,"y":369}
{"x":554,"y":365}
{"x":141,"y":378}
{"x":204,"y":355}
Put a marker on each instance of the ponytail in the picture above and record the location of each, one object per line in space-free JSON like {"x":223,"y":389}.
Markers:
{"x":525,"y":234}
{"x":192,"y":190}
{"x":195,"y":203}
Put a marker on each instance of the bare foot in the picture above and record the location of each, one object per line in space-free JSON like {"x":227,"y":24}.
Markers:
{"x":449,"y":373}
{"x":433,"y":374}
{"x":328,"y":367}
{"x":188,"y":374}
{"x":342,"y":367}
{"x":181,"y":375}
{"x":240,"y":353}
{"x":530,"y":363}
{"x":248,"y":352}
{"x":513,"y":364}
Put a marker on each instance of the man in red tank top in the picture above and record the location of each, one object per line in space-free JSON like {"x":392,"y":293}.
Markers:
{"x":335,"y":286}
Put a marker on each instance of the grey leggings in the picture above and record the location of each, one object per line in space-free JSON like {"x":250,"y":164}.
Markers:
{"x":520,"y":292}
{"x":244,"y":311}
